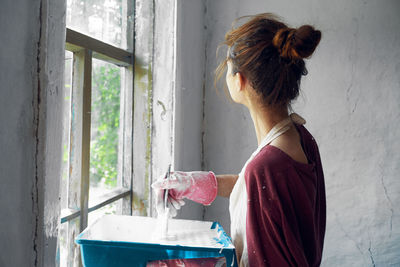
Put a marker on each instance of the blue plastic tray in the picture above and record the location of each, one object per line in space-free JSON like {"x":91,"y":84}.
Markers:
{"x":133,"y":241}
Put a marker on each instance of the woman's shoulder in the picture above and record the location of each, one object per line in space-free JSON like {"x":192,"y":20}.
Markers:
{"x":274,"y":157}
{"x":270,"y":170}
{"x":270,"y":159}
{"x":271,"y":162}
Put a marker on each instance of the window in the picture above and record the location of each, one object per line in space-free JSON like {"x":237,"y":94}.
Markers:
{"x":98,"y":117}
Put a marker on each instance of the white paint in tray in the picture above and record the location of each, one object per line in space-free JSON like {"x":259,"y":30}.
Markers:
{"x":137,"y":229}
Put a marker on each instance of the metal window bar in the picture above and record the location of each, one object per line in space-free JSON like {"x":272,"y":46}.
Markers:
{"x":114,"y":195}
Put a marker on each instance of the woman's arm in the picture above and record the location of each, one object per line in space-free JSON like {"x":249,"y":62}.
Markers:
{"x":226,"y":182}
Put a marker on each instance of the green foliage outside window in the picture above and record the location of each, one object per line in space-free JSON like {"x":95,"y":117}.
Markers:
{"x":106,"y":84}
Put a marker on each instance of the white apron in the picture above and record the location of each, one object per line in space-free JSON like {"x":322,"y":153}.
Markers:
{"x":238,"y":197}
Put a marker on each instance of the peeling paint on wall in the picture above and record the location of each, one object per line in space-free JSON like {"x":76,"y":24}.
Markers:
{"x":143,"y":109}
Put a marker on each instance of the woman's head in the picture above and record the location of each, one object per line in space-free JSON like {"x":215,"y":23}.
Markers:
{"x":270,"y":56}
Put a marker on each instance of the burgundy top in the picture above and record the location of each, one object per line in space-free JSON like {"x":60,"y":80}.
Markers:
{"x":286,"y":210}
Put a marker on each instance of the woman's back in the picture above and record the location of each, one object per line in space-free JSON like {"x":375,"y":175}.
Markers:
{"x":286,"y":208}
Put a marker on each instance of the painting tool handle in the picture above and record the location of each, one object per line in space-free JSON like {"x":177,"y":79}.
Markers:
{"x":165,"y":216}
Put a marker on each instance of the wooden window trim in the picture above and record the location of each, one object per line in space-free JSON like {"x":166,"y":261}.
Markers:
{"x":76,"y":41}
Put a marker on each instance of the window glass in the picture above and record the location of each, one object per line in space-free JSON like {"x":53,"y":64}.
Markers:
{"x":105,"y":20}
{"x":105,"y":128}
{"x":107,"y":209}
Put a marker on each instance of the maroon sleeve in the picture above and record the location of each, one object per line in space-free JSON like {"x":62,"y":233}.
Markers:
{"x":285,"y":221}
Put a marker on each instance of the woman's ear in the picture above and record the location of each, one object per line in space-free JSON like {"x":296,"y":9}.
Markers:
{"x":240,"y":81}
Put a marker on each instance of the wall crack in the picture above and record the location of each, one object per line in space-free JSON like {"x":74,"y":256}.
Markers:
{"x":387,"y":198}
{"x":36,"y":122}
{"x":371,"y":255}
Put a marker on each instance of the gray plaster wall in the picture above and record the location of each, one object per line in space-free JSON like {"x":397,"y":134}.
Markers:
{"x":351,"y":100}
{"x":17,"y":165}
{"x":30,"y":140}
{"x":190,"y":63}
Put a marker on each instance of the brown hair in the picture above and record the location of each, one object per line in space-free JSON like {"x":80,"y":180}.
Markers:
{"x":270,"y":55}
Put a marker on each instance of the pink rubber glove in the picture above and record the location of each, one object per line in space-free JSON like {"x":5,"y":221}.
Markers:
{"x":197,"y":186}
{"x":210,"y":262}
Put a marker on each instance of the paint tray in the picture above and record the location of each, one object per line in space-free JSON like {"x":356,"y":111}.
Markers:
{"x":115,"y":240}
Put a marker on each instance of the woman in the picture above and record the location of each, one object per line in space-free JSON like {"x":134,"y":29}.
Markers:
{"x":277,"y":202}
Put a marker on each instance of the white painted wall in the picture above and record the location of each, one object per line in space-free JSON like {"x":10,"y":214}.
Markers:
{"x":351,"y":99}
{"x":32,"y":47}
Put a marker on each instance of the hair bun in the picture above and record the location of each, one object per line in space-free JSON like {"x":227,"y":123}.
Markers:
{"x":296,"y":43}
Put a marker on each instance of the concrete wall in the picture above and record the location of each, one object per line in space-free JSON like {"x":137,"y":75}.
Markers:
{"x":30,"y":137}
{"x":351,"y":99}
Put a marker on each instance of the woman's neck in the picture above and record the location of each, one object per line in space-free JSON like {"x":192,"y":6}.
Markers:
{"x":265,"y":118}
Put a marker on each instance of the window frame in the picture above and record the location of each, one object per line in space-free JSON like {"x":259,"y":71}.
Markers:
{"x":84,"y":48}
{"x":150,"y":134}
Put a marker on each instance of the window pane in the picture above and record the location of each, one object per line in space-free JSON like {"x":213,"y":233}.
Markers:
{"x":66,"y":128}
{"x":106,"y":20}
{"x":111,"y":208}
{"x":105,"y":128}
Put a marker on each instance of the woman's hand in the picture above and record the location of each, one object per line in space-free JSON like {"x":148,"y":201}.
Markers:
{"x":197,"y":186}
